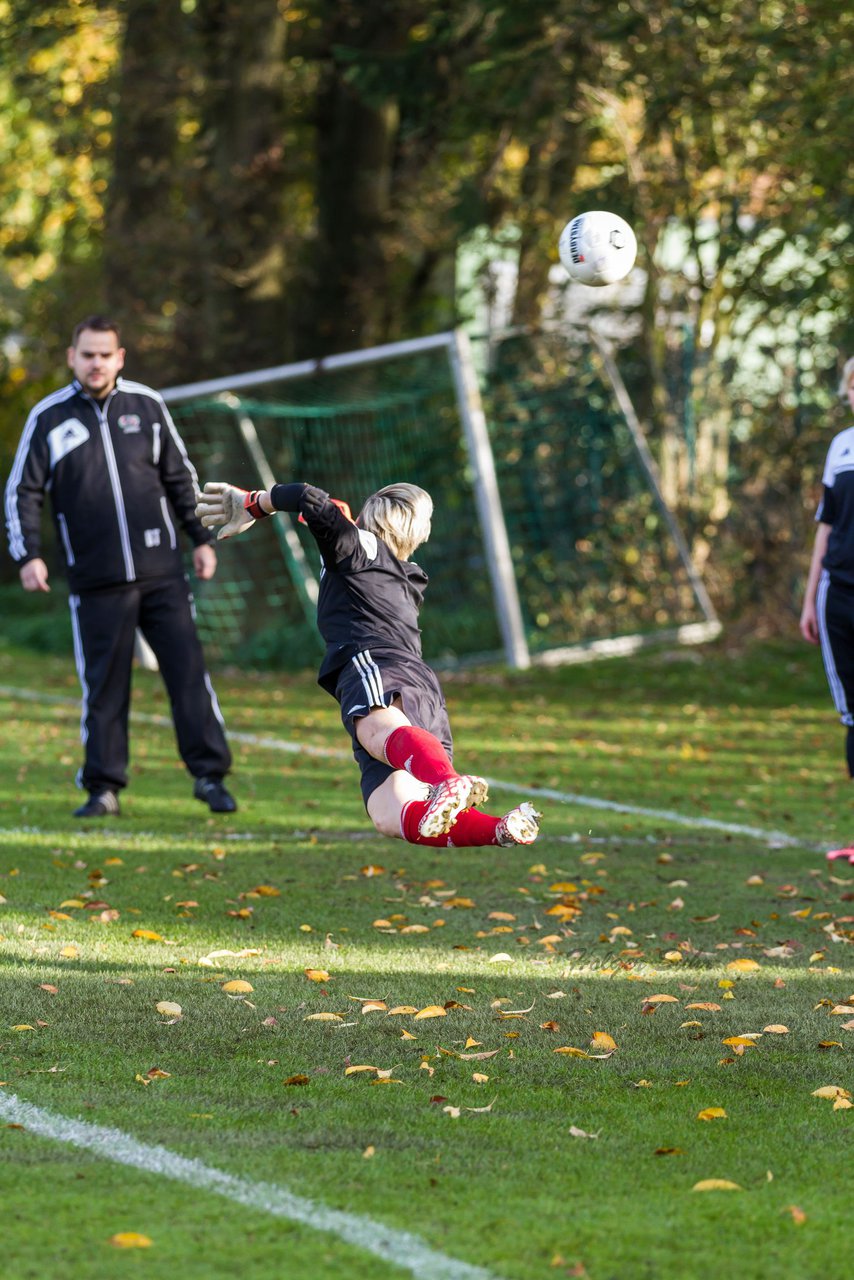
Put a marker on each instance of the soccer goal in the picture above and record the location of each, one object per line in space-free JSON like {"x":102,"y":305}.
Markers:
{"x":551,"y":541}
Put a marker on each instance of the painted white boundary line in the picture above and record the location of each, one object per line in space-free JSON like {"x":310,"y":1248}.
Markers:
{"x":778,"y":838}
{"x":400,"y":1248}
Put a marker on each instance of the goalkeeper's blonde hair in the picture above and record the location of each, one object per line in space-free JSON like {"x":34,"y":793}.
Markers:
{"x":400,"y":515}
{"x":847,"y":374}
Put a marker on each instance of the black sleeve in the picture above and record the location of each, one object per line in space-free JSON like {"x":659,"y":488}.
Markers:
{"x":25,"y":492}
{"x":179,"y":479}
{"x":334,"y":534}
{"x":827,"y":507}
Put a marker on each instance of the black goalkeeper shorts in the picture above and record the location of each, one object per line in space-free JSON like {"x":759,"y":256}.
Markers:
{"x":375,"y":678}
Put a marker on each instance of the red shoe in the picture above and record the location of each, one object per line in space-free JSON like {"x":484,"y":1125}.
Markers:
{"x":842,"y":855}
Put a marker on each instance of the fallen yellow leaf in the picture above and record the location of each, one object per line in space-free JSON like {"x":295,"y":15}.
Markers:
{"x":660,"y":1000}
{"x":323,"y":1017}
{"x":131,"y":1240}
{"x":148,"y":934}
{"x":69,"y":953}
{"x":716,"y":1184}
{"x":712,"y":1113}
{"x":168,"y":1008}
{"x":601,"y":1040}
{"x":742,"y":966}
{"x":401,"y":1008}
{"x":237,"y":987}
{"x":432,"y":1011}
{"x":777,"y":1029}
{"x":831,"y":1091}
{"x":316,"y":975}
{"x":571,"y":1051}
{"x":708,"y":1005}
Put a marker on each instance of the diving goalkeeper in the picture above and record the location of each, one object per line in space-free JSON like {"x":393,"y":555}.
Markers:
{"x":391,"y":701}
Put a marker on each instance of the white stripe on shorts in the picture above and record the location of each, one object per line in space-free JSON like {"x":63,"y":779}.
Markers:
{"x":371,"y":676}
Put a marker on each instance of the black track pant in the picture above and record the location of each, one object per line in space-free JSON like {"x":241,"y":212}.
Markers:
{"x":104,"y":625}
{"x":835,"y":612}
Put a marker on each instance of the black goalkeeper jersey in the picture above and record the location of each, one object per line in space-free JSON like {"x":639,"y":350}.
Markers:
{"x":368,"y":598}
{"x":837,"y":508}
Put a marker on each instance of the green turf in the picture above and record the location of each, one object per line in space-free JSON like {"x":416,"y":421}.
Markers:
{"x":740,"y":738}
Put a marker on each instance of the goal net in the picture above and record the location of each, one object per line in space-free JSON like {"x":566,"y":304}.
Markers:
{"x":550,"y":540}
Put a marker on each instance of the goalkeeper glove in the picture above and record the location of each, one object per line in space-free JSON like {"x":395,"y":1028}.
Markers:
{"x":234,"y":509}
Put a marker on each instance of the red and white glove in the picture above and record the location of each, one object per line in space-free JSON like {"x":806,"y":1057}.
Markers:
{"x":235,"y":509}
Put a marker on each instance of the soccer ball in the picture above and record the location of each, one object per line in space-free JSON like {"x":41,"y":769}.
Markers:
{"x":597,"y":248}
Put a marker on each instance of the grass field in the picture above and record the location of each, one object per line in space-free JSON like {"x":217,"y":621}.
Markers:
{"x":530,"y":1162}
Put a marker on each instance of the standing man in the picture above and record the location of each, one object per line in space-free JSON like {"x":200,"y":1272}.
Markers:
{"x":120,"y":482}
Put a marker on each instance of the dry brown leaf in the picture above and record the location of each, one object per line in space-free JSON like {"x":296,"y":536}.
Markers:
{"x":298,"y":1079}
{"x":668,"y":1151}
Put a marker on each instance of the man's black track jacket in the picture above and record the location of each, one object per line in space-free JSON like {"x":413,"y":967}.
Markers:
{"x":119,"y":480}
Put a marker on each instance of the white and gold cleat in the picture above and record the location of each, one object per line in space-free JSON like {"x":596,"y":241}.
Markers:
{"x":520,"y":826}
{"x":447,"y":801}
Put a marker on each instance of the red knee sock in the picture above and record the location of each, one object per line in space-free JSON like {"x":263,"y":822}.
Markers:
{"x":419,"y":753}
{"x":471,"y":828}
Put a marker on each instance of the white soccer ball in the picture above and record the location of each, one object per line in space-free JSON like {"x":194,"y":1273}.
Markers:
{"x":597,"y":248}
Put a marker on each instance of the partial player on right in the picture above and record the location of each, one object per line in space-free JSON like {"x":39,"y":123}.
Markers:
{"x":391,"y":701}
{"x":827,"y":617}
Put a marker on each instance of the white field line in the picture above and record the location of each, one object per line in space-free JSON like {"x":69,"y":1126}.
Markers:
{"x":779,"y":839}
{"x":399,"y":1248}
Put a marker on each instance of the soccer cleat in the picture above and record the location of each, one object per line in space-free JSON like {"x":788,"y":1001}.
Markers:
{"x":447,"y":801}
{"x":842,"y":855}
{"x":520,"y":826}
{"x":100,"y":804}
{"x":213,"y":793}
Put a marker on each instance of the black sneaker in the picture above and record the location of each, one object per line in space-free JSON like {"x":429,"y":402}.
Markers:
{"x":100,"y":804}
{"x":215,"y":795}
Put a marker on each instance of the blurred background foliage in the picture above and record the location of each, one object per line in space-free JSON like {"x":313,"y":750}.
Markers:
{"x":246,"y":182}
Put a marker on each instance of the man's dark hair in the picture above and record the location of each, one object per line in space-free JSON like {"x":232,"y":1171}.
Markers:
{"x":100,"y":324}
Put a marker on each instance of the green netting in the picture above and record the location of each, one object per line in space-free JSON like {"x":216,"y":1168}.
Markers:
{"x":592,"y":553}
{"x":349,"y":432}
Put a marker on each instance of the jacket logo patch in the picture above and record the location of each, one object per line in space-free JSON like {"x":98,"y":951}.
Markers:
{"x":69,"y":435}
{"x":152,"y":537}
{"x":129,"y":422}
